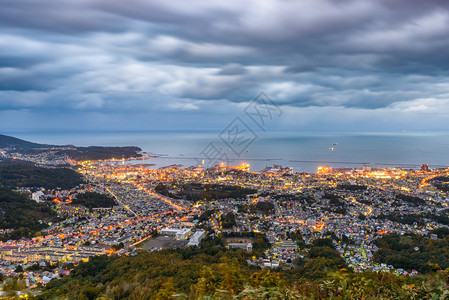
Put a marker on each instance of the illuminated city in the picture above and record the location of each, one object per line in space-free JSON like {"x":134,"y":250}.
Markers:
{"x":354,"y":206}
{"x":212,"y":149}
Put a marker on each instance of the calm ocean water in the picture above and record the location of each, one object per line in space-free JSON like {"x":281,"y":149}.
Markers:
{"x":304,"y":151}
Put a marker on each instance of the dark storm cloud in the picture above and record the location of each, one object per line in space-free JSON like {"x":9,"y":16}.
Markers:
{"x":63,"y":16}
{"x":173,"y":55}
{"x":232,"y":69}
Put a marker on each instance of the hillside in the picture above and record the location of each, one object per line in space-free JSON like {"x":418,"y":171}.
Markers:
{"x":94,"y":200}
{"x":214,"y":273}
{"x":73,"y":152}
{"x":22,"y":175}
{"x":18,"y":211}
{"x":102,"y":153}
{"x":400,"y":251}
{"x":12,"y":142}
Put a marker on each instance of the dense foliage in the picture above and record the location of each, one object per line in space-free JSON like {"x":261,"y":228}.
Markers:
{"x":21,"y":175}
{"x":261,"y":207}
{"x":336,"y":204}
{"x":23,"y":214}
{"x":410,"y":199}
{"x":441,"y":183}
{"x":93,"y":200}
{"x":206,"y":215}
{"x":228,"y":220}
{"x":414,"y":252}
{"x":409,"y":219}
{"x":259,"y":240}
{"x":441,"y":178}
{"x":212,"y":273}
{"x":206,"y":192}
{"x":191,"y":271}
{"x":416,"y":219}
{"x":306,"y":199}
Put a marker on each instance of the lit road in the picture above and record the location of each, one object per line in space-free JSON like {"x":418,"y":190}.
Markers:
{"x":124,"y":205}
{"x":165,"y":199}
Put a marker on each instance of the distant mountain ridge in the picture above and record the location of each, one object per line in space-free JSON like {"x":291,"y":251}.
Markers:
{"x":12,"y":142}
{"x":76,"y":153}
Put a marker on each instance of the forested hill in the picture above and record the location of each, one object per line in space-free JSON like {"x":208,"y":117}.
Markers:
{"x":26,"y":216}
{"x":23,"y":175}
{"x":73,"y":152}
{"x":212,"y":272}
{"x":12,"y":142}
{"x":100,"y":153}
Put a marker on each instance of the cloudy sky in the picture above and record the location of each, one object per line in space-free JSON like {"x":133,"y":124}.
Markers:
{"x":176,"y":64}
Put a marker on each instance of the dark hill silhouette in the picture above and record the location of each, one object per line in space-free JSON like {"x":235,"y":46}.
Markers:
{"x":76,"y":153}
{"x":12,"y":142}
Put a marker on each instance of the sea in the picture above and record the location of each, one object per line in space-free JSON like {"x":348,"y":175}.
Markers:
{"x":304,"y":151}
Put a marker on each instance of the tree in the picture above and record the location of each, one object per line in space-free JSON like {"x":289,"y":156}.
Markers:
{"x":228,"y":221}
{"x":19,"y":269}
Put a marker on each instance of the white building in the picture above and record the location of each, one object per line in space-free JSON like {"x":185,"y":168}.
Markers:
{"x":247,"y":246}
{"x":36,"y":196}
{"x":180,"y":234}
{"x":196,"y":238}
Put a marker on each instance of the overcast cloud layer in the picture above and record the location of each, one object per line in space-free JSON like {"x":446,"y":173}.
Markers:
{"x":136,"y":64}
